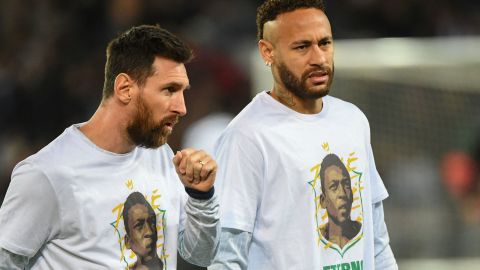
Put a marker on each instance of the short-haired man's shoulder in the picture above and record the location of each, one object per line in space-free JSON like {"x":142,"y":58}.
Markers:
{"x":250,"y":119}
{"x":343,"y":104}
{"x":72,"y":149}
{"x":346,"y":108}
{"x":51,"y":154}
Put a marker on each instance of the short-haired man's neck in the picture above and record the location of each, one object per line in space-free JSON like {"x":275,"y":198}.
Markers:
{"x":152,"y":261}
{"x":107,"y":127}
{"x":294,"y":102}
{"x":341,"y":233}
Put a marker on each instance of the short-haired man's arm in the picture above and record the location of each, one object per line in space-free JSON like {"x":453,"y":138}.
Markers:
{"x":29,"y":215}
{"x":198,"y":242}
{"x":12,"y":261}
{"x":232,"y":251}
{"x":240,"y":182}
{"x":384,"y":258}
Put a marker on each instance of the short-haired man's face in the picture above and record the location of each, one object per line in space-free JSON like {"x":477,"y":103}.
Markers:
{"x":142,"y":235}
{"x":159,"y":104}
{"x":338,"y":196}
{"x":303,"y":52}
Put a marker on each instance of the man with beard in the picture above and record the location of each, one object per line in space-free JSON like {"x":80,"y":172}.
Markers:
{"x":337,"y":199}
{"x":269,"y":156}
{"x":63,"y":205}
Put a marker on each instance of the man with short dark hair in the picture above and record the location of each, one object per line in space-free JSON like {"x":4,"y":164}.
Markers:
{"x":64,"y":204}
{"x":273,"y":209}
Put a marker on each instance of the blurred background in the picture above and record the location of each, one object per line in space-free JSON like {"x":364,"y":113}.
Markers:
{"x":411,"y":66}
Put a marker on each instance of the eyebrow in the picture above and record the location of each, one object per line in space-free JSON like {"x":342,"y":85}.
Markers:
{"x":139,"y":221}
{"x":301,"y":42}
{"x":176,"y":85}
{"x":309,"y":41}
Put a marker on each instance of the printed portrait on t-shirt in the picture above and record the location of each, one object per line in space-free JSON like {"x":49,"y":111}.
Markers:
{"x":337,"y":198}
{"x":140,"y":225}
{"x":337,"y":188}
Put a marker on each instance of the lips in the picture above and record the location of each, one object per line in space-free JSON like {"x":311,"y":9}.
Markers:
{"x":343,"y":206}
{"x":318,"y":73}
{"x":318,"y":77}
{"x":169,"y":123}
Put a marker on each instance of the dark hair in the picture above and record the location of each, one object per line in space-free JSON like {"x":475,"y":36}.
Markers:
{"x":133,"y":199}
{"x":331,"y":160}
{"x":270,"y":9}
{"x":134,"y":51}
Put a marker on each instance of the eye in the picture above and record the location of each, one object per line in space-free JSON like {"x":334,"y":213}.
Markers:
{"x":333,"y":186}
{"x":346,"y":183}
{"x":173,"y":87}
{"x":300,"y":47}
{"x":139,"y":225}
{"x":325,"y":42}
{"x":170,"y":89}
{"x":151,"y":220}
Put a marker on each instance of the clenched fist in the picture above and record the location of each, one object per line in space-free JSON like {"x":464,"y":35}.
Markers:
{"x":195,"y":168}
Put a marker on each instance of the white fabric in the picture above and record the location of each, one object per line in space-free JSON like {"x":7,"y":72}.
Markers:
{"x":234,"y":245}
{"x":11,"y":261}
{"x":269,"y":158}
{"x":64,"y":204}
{"x":233,"y":248}
{"x":203,"y":133}
{"x":198,"y":243}
{"x":384,"y":259}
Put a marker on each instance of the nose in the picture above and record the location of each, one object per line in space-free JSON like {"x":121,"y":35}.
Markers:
{"x":342,"y":192}
{"x":318,"y":56}
{"x":178,"y":104}
{"x":147,"y":231}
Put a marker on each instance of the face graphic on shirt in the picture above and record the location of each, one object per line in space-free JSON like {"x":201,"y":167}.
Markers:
{"x":142,"y":235}
{"x":141,"y":231}
{"x":338,"y":196}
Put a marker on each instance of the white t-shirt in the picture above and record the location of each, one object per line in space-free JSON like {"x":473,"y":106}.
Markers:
{"x":72,"y":215}
{"x":269,"y":161}
{"x":203,"y":133}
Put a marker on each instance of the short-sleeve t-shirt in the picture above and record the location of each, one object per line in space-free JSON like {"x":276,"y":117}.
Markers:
{"x":64,"y":206}
{"x":270,"y":184}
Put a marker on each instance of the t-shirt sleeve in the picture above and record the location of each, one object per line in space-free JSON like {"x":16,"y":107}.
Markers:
{"x":378,"y":190}
{"x":239,"y":179}
{"x":183,"y":202}
{"x":29,"y":213}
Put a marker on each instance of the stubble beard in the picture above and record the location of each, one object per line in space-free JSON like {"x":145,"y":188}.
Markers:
{"x":144,"y":132}
{"x":298,"y":86}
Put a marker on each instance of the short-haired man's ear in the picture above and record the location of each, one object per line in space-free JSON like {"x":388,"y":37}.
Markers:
{"x":322,"y":201}
{"x":122,"y":88}
{"x":266,"y":51}
{"x":127,"y":241}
